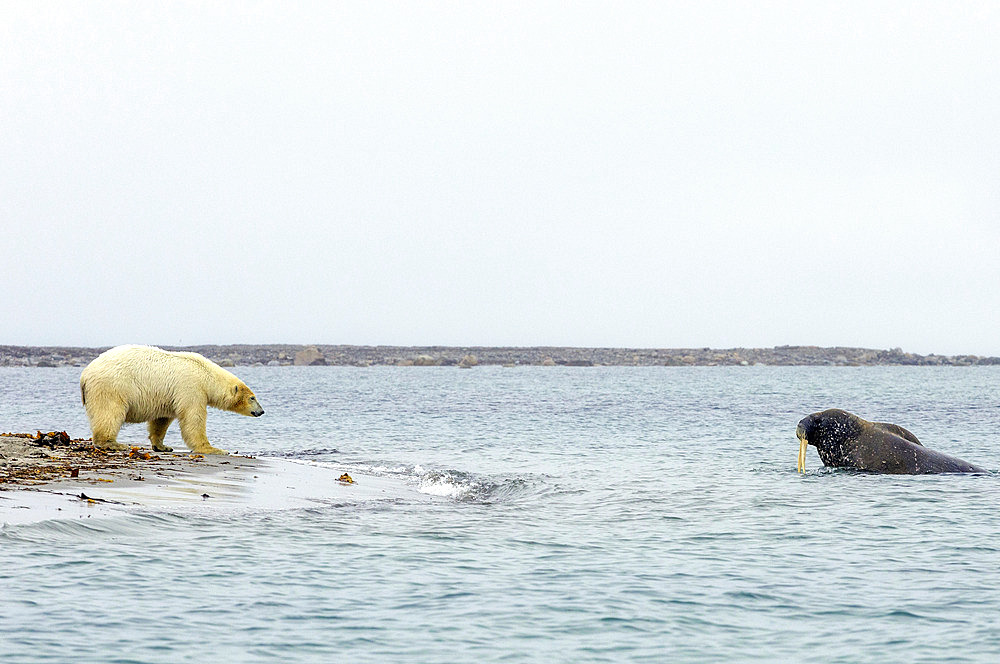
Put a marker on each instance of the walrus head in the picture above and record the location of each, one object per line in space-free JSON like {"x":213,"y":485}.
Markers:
{"x":829,"y":430}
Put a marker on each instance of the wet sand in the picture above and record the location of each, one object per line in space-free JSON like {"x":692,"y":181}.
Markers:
{"x":37,"y":482}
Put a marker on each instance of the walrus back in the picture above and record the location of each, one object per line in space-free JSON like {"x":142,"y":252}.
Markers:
{"x":933,"y":461}
{"x":897,"y":455}
{"x":898,"y":430}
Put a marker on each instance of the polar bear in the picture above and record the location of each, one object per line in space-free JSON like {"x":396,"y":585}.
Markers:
{"x":148,"y":384}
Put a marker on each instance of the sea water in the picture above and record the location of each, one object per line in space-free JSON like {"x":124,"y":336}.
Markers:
{"x":602,"y":514}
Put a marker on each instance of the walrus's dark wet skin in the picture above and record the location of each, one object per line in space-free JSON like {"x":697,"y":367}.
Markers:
{"x":844,"y":440}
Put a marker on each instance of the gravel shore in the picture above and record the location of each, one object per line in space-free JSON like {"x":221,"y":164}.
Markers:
{"x":470,"y":356}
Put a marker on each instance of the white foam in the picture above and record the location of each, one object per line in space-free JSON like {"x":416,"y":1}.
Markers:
{"x":443,"y":487}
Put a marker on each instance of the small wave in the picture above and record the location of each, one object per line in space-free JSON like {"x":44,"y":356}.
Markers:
{"x":467,"y":487}
{"x":133,"y":524}
{"x":443,"y":484}
{"x":299,"y":454}
{"x":454,"y":484}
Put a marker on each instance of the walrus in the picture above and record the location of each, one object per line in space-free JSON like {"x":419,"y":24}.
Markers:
{"x":844,"y":440}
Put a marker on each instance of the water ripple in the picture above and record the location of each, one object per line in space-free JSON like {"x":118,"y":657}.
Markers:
{"x":586,"y":516}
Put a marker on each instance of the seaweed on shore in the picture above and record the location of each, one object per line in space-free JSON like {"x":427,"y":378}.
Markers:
{"x":44,"y":457}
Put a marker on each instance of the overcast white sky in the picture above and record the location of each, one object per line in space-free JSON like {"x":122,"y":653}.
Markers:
{"x":661,"y":174}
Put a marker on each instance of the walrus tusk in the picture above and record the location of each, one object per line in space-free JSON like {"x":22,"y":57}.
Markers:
{"x":802,"y":453}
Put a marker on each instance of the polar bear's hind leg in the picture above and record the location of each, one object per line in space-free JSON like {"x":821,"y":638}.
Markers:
{"x":105,"y":423}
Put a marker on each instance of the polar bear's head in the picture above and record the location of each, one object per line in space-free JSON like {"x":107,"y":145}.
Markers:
{"x":245,"y":401}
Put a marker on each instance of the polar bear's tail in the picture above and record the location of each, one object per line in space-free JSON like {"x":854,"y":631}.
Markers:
{"x":83,"y":392}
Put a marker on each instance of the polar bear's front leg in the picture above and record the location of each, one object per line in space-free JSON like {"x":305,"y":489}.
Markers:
{"x":193,"y":432}
{"x":157,"y":430}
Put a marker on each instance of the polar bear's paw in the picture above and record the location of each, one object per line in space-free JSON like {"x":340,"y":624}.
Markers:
{"x":209,"y":450}
{"x":111,"y":446}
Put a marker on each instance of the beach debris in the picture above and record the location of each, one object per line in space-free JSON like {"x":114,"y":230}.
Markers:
{"x":92,"y":501}
{"x":52,"y":438}
{"x":30,"y":459}
{"x":345,"y":479}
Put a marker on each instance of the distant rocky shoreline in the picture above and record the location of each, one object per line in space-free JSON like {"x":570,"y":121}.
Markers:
{"x":470,"y":356}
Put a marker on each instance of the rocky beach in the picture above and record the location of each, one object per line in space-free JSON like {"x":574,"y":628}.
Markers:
{"x":470,"y":356}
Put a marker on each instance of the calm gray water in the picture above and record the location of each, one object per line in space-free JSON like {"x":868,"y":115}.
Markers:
{"x":585,"y":515}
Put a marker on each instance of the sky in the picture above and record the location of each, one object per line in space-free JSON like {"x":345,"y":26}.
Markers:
{"x":638,"y":174}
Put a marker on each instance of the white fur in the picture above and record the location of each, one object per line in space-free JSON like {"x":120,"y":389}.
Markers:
{"x":147,"y":384}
